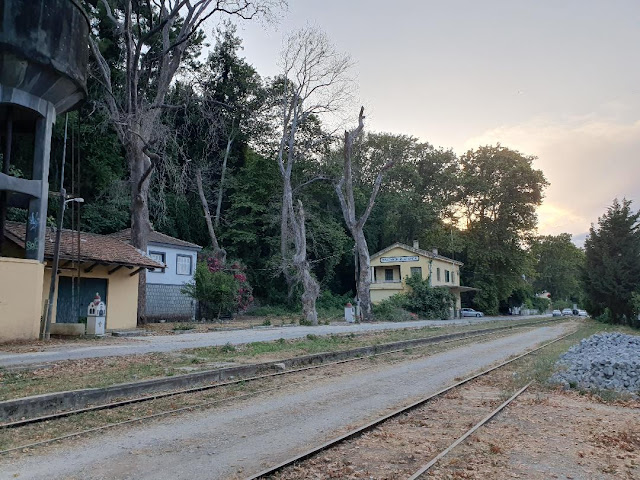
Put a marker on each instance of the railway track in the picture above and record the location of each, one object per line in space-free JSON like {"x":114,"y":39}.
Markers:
{"x":194,"y":390}
{"x":400,"y":347}
{"x":360,"y":432}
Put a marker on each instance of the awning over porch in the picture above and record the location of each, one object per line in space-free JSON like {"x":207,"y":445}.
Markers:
{"x":459,"y":288}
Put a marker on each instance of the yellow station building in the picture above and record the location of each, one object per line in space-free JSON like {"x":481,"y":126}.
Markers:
{"x":89,"y":264}
{"x":391,"y":266}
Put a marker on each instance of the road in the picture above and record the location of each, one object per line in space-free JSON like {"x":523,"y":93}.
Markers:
{"x":234,"y":441}
{"x":169,"y":343}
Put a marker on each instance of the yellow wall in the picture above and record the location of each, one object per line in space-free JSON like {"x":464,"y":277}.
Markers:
{"x":381,"y":290}
{"x":122,"y":295}
{"x":20,"y":298}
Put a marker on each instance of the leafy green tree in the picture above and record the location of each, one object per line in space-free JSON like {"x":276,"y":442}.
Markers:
{"x":558,"y":264}
{"x":612,"y":267}
{"x":499,"y":191}
{"x":417,"y":194}
{"x":155,"y":41}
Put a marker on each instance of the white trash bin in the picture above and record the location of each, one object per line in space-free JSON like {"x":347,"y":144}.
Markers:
{"x":349,"y":314}
{"x":96,"y":317}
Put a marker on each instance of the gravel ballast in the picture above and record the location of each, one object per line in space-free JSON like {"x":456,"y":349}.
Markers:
{"x":604,"y":361}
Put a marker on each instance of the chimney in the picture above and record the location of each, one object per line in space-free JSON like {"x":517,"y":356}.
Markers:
{"x":435,"y":251}
{"x":416,"y":244}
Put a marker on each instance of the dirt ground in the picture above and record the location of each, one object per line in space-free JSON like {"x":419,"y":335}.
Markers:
{"x":557,"y":435}
{"x":167,"y":328}
{"x":28,"y":346}
{"x":234,"y":438}
{"x":238,"y":322}
{"x":543,"y":434}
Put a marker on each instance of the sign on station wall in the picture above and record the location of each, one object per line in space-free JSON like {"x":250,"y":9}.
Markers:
{"x":398,"y":259}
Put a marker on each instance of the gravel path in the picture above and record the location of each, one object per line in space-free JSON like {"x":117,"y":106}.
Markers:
{"x":235,"y":441}
{"x":169,"y":343}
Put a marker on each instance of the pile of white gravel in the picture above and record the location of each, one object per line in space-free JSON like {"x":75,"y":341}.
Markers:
{"x":605,"y":361}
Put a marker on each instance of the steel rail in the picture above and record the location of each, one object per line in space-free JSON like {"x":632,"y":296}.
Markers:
{"x":151,"y":416}
{"x":375,"y":423}
{"x":308,"y":454}
{"x":146,"y":398}
{"x":467,"y":434}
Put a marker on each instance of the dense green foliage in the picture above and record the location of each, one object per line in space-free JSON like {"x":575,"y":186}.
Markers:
{"x":499,"y":193}
{"x":216,"y":289}
{"x":422,"y":300}
{"x":612,"y":267}
{"x":222,"y":120}
{"x":558,"y":265}
{"x":427,"y":301}
{"x":220,"y":288}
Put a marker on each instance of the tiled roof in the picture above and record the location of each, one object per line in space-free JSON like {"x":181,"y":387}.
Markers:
{"x":419,"y":251}
{"x":93,"y":247}
{"x":157,"y":237}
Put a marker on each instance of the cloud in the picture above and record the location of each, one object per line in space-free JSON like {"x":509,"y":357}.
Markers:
{"x":554,"y":219}
{"x":588,"y":162}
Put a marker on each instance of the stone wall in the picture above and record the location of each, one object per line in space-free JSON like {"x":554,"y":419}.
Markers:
{"x":167,"y":302}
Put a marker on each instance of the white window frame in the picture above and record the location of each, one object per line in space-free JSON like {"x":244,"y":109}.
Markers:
{"x":163,"y":260}
{"x":178,"y":270}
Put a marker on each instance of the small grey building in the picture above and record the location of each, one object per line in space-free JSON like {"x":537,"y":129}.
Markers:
{"x":165,"y":301}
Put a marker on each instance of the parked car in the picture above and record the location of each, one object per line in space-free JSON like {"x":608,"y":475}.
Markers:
{"x":567,"y":312}
{"x":556,"y":313}
{"x":582,"y":313}
{"x":470,"y":312}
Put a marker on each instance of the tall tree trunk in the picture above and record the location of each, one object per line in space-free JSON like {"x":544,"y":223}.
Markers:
{"x":364,"y":278}
{"x":286,"y":227}
{"x":309,"y":283}
{"x":221,"y":186}
{"x":139,"y":164}
{"x":344,"y":191}
{"x":218,"y":252}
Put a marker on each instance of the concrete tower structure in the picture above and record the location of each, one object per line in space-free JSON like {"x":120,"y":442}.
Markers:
{"x":44,"y":52}
{"x":43,"y":72}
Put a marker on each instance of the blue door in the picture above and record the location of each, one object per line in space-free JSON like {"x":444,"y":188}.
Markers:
{"x":88,"y":289}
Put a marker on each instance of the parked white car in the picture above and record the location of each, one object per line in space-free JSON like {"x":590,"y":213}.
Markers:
{"x":470,"y":312}
{"x":567,"y":312}
{"x":556,"y":313}
{"x":582,"y":313}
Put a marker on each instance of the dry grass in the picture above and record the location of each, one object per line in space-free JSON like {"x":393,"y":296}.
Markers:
{"x":102,"y":372}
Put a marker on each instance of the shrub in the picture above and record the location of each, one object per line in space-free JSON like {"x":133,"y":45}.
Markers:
{"x":222,"y":288}
{"x":390,"y":311}
{"x":183,"y":327}
{"x":426,"y":301}
{"x":331,"y":301}
{"x":541,"y":304}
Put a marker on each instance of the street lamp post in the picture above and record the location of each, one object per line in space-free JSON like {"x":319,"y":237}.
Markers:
{"x":56,"y":260}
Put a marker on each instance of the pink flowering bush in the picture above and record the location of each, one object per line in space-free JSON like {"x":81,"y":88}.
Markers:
{"x":221,"y":288}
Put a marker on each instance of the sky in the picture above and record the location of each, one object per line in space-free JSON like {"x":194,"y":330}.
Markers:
{"x":559,"y":80}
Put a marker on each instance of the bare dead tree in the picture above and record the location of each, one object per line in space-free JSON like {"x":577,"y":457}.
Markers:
{"x":344,"y":190}
{"x":194,"y":138}
{"x":311,"y":289}
{"x":314,"y":82}
{"x":154,"y":37}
